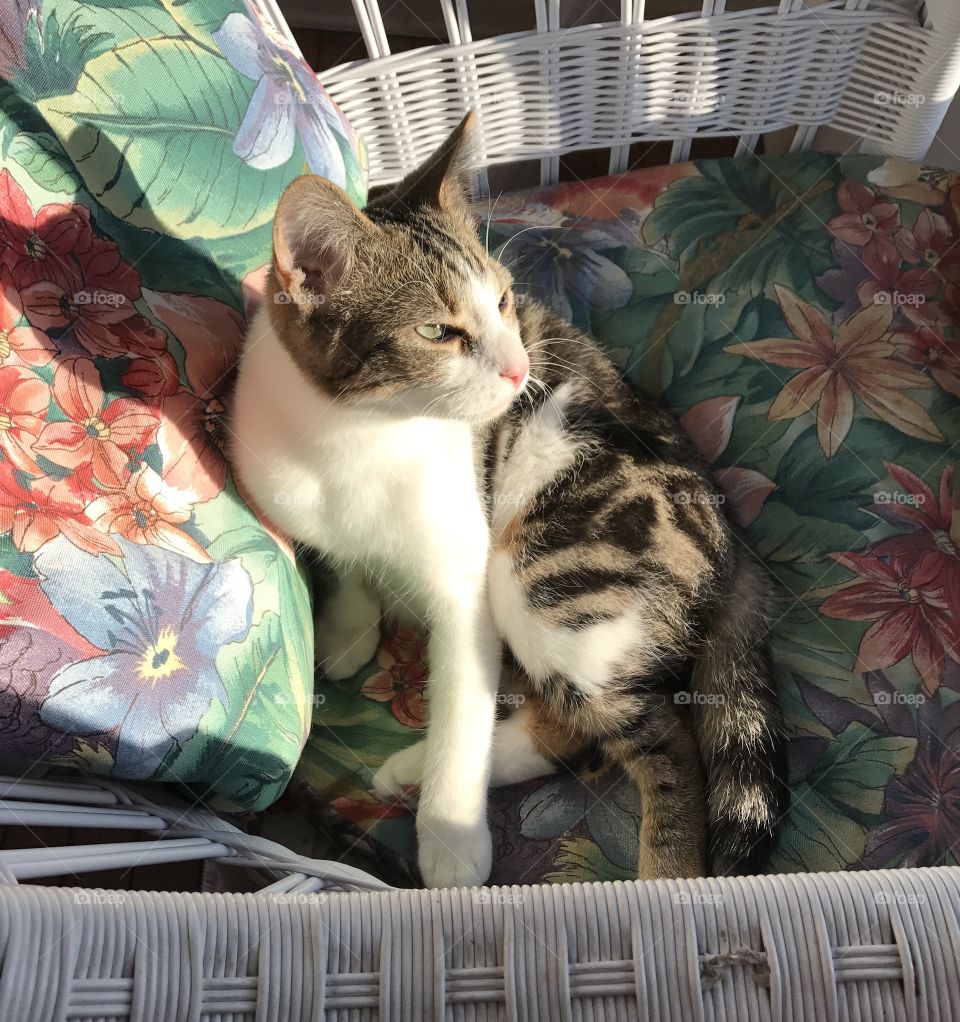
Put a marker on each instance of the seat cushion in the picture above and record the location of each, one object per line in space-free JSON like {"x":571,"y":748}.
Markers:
{"x":800,"y":315}
{"x":152,"y":626}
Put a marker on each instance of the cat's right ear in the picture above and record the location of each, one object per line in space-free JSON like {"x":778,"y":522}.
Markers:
{"x":316,"y":232}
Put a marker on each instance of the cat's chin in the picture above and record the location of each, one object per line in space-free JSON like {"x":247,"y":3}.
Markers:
{"x":413,"y":406}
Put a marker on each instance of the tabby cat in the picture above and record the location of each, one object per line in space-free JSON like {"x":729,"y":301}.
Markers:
{"x":472,"y":462}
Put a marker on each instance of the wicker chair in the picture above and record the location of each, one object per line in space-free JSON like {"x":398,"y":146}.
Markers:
{"x":325,"y":941}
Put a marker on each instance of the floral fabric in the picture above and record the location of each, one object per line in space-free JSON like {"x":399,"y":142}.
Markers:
{"x":152,"y":627}
{"x":800,"y":314}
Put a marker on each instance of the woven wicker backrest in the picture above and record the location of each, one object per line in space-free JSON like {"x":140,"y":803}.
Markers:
{"x":883,"y":71}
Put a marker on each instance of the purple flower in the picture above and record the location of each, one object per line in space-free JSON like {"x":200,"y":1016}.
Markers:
{"x":922,"y":805}
{"x":555,"y":256}
{"x":841,"y":281}
{"x":14,"y":15}
{"x":161,"y":619}
{"x":604,"y":800}
{"x":287,"y":102}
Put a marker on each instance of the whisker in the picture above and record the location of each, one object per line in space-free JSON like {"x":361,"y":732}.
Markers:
{"x":534,"y":227}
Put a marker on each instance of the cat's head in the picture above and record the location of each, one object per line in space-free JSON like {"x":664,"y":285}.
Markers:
{"x":398,"y":307}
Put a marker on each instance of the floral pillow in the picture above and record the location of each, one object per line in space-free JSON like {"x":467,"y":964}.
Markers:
{"x":152,"y":625}
{"x":801,"y":315}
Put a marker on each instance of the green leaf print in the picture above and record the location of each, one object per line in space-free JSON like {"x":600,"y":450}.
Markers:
{"x":728,"y":231}
{"x":843,"y":795}
{"x":151,"y":126}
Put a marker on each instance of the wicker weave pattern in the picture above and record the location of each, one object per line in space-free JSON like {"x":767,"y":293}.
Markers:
{"x":869,"y":946}
{"x":875,"y":68}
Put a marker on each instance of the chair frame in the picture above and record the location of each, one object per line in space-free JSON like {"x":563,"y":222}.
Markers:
{"x":323,"y":941}
{"x":880,"y":72}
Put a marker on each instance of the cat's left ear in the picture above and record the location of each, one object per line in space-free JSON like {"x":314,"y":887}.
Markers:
{"x":317,"y":232}
{"x":443,"y":179}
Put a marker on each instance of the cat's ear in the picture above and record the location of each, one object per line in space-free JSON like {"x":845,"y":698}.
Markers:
{"x":443,"y":179}
{"x":316,"y":232}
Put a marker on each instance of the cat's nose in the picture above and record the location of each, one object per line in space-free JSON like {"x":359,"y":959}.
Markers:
{"x":516,"y":374}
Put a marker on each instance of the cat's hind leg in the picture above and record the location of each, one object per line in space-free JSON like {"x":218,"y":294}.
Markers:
{"x":522,"y":750}
{"x":528,"y":743}
{"x":347,"y":627}
{"x":660,"y":756}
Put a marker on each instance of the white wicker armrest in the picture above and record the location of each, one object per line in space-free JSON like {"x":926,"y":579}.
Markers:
{"x":177,"y":833}
{"x":818,"y":948}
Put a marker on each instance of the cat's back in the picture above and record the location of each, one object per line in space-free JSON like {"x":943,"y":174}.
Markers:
{"x":585,"y":463}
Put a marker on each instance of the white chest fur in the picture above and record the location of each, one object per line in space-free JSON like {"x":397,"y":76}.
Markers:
{"x":397,"y":495}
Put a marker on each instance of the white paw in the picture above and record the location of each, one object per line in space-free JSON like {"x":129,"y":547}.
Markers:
{"x":341,"y":652}
{"x":398,"y":773}
{"x":453,"y":855}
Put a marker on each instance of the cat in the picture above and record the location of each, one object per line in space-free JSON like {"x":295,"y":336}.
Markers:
{"x":472,"y":461}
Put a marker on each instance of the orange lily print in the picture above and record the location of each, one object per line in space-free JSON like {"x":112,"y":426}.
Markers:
{"x":48,"y":508}
{"x":148,"y":512}
{"x":20,"y":344}
{"x":98,"y":432}
{"x":24,"y":400}
{"x":836,"y":367}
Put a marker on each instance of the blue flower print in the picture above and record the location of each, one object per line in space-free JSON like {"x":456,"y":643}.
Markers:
{"x":160,"y":619}
{"x":287,"y":102}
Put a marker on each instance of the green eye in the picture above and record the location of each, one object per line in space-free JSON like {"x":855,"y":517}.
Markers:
{"x":432,"y":331}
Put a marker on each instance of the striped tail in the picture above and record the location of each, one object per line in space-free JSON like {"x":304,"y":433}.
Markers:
{"x":739,"y":728}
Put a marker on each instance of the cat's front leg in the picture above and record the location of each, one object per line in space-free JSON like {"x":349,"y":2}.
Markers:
{"x":452,"y":831}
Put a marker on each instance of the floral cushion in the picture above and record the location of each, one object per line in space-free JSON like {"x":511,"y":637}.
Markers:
{"x":152,"y":627}
{"x":800,"y":314}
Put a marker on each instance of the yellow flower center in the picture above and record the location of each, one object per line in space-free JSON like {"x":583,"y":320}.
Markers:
{"x":96,"y":427}
{"x":6,"y":422}
{"x":932,"y":256}
{"x":4,"y":345}
{"x":160,"y":659}
{"x":562,"y":251}
{"x":283,"y":70}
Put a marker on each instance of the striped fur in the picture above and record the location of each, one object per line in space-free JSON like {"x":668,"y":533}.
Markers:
{"x":633,"y":605}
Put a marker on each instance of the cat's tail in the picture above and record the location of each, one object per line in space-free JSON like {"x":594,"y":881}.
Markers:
{"x":739,"y":728}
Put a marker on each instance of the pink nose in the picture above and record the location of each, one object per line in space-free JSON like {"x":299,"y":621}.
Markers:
{"x":516,"y":375}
